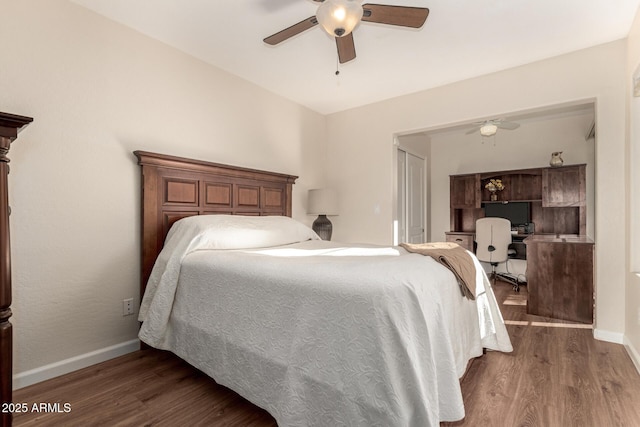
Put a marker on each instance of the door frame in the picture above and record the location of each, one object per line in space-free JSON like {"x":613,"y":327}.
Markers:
{"x":397,"y":146}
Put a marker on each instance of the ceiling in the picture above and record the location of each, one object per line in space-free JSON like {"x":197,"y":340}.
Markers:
{"x":534,"y":116}
{"x":461,"y":39}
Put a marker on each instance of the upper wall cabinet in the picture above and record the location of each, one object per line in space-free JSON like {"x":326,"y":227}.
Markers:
{"x":465,"y":191}
{"x":564,"y":186}
{"x":556,"y":196}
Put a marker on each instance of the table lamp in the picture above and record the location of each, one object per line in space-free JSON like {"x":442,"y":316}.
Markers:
{"x":323,"y":202}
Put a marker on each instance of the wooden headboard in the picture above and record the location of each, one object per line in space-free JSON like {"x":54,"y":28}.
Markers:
{"x":175,"y":188}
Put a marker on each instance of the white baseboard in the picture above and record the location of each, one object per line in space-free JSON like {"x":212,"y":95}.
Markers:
{"x":62,"y":367}
{"x":633,"y":353}
{"x":614,"y":337}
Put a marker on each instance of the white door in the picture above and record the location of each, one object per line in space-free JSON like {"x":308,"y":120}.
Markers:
{"x":415,"y":199}
{"x":411,"y":198}
{"x":402,"y":197}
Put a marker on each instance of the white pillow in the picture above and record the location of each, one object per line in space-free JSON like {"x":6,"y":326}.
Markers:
{"x":239,"y":232}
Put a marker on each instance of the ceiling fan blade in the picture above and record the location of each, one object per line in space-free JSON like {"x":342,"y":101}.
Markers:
{"x":472,"y":131}
{"x":404,"y":16}
{"x":291,"y":31}
{"x":346,"y":48}
{"x":507,"y":125}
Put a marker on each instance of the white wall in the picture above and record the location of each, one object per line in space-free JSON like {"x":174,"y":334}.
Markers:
{"x":632,"y":327}
{"x":597,"y":73}
{"x":98,"y":91}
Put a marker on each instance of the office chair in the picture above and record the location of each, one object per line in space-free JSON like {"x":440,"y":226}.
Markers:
{"x":493,"y":237}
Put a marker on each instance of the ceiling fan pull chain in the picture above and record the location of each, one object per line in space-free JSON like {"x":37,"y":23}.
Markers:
{"x":337,"y":65}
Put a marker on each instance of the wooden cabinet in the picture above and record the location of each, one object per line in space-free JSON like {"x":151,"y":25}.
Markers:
{"x":564,"y":200}
{"x":560,"y":277}
{"x":564,"y":187}
{"x":464,"y":239}
{"x":557,"y":197}
{"x":465,"y":192}
{"x":464,"y":201}
{"x":521,"y":185}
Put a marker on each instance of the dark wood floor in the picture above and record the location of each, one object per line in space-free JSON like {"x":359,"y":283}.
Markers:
{"x":558,"y":375}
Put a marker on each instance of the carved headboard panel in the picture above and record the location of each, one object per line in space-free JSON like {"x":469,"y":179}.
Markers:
{"x":175,"y":188}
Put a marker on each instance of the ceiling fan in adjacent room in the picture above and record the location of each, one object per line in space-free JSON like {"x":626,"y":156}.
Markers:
{"x":340,"y":17}
{"x":490,"y":127}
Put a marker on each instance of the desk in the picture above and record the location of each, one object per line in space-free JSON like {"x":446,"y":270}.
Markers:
{"x":466,"y":240}
{"x":560,"y":276}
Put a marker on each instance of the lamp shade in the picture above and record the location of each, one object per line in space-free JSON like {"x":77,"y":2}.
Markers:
{"x":322,"y":201}
{"x":339,"y":17}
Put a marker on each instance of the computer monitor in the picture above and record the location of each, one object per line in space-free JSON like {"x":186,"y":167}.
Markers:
{"x":519,"y":213}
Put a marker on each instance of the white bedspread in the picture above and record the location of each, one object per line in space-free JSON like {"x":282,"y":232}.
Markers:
{"x":320,"y":334}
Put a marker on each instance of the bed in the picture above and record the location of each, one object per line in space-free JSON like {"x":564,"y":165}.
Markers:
{"x":315,"y":332}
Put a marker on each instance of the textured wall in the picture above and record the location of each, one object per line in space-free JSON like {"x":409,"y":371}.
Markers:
{"x":98,"y":91}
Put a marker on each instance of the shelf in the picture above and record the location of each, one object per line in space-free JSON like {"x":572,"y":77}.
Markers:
{"x":510,"y":201}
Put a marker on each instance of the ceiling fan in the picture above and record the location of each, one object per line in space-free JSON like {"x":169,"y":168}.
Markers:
{"x":340,"y":17}
{"x":490,"y":127}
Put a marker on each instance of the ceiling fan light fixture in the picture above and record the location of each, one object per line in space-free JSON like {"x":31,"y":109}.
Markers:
{"x":488,"y":129}
{"x":339,"y":17}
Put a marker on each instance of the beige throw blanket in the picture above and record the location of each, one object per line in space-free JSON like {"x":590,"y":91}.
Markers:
{"x":452,"y":256}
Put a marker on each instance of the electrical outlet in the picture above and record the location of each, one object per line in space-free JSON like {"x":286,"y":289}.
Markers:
{"x":127,"y":306}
